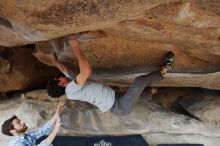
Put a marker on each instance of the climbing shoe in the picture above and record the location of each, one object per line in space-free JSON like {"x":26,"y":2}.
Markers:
{"x":169,"y":59}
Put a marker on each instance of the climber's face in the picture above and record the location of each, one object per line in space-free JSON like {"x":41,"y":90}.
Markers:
{"x":62,"y":81}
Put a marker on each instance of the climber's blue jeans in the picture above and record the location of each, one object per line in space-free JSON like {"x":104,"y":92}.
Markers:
{"x":124,"y":104}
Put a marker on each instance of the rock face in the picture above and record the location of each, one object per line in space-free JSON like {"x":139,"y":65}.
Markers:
{"x":152,"y":27}
{"x":189,"y":21}
{"x":122,"y":39}
{"x":21,"y":71}
{"x":64,"y":17}
{"x":155,"y":123}
{"x":204,"y":106}
{"x":121,"y":35}
{"x":121,"y":66}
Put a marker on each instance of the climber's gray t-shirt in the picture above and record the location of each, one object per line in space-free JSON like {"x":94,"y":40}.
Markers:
{"x":92,"y":92}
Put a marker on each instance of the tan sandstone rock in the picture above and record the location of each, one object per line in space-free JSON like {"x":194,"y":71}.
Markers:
{"x":147,"y":118}
{"x":21,"y":71}
{"x":121,"y":35}
{"x":204,"y":106}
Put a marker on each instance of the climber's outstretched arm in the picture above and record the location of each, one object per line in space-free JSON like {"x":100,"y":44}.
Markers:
{"x":60,"y":65}
{"x":84,"y":65}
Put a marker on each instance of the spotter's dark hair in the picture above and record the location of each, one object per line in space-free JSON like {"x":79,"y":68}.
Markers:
{"x":7,"y":126}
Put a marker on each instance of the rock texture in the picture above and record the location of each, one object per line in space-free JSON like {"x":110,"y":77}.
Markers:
{"x":122,"y":39}
{"x":121,"y":35}
{"x":204,"y":106}
{"x":64,"y":17}
{"x":121,"y":66}
{"x":155,"y":123}
{"x":19,"y":70}
{"x":209,"y":80}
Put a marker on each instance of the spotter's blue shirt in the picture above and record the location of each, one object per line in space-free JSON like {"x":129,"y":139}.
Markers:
{"x":29,"y":139}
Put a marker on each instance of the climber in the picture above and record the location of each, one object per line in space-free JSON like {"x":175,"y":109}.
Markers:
{"x":16,"y":128}
{"x":105,"y":98}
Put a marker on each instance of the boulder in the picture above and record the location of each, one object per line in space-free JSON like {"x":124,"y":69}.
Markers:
{"x":21,"y":71}
{"x":204,"y":106}
{"x":59,"y":18}
{"x":121,"y":66}
{"x":40,"y":95}
{"x":121,"y":37}
{"x":155,"y":123}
